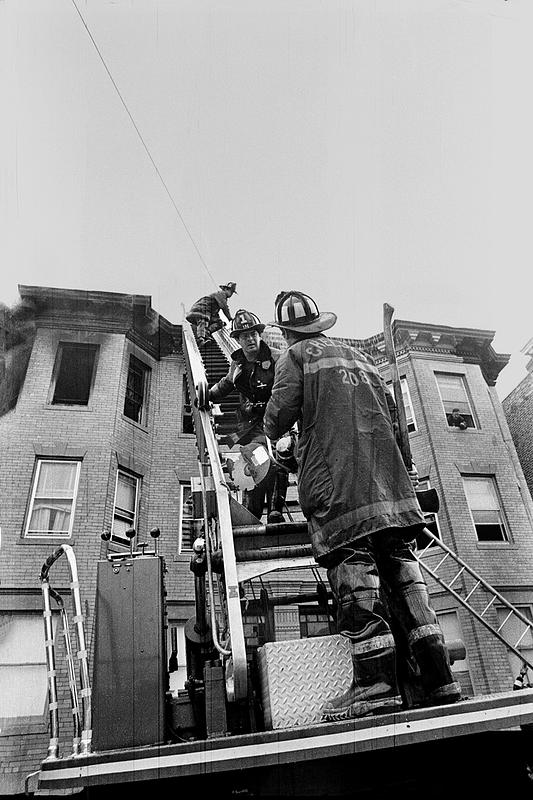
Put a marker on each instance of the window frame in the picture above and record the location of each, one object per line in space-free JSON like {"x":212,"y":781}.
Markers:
{"x":409,"y":405}
{"x":305,"y":611}
{"x":61,"y":346}
{"x":39,"y":461}
{"x":435,"y":518}
{"x":514,"y":662}
{"x":457,"y":403}
{"x":118,"y":539}
{"x":146,"y":370}
{"x":37,"y":722}
{"x":491,"y":480}
{"x":184,"y":485}
{"x":186,"y":415}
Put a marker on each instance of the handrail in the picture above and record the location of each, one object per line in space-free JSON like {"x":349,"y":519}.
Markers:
{"x":237,"y":689}
{"x":81,"y":745}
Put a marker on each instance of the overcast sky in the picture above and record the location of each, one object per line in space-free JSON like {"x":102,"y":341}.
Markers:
{"x":360,"y":150}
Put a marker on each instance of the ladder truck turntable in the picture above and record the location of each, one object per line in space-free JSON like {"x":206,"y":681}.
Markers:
{"x":248,"y":723}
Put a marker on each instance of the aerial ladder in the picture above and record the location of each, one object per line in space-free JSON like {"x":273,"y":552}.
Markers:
{"x":219,"y":732}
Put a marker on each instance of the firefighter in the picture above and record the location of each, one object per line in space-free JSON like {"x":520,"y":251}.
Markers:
{"x":361,"y":508}
{"x":252,"y":373}
{"x":204,"y":314}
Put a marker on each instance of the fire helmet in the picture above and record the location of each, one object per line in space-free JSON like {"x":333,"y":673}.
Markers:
{"x":245,"y":321}
{"x":296,"y":311}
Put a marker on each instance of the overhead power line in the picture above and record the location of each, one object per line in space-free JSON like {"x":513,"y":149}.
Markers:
{"x":146,"y":148}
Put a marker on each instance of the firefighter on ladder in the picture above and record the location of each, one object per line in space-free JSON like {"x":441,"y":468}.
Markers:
{"x":251,"y":373}
{"x":204,"y":314}
{"x":361,"y":508}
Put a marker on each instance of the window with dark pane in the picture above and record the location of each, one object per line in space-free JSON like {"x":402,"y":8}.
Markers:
{"x":135,"y":400}
{"x":314,"y":622}
{"x":187,"y":423}
{"x":125,"y":506}
{"x":74,"y":374}
{"x":485,"y":508}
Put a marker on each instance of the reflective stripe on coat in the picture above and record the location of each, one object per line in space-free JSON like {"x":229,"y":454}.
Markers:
{"x":351,"y":477}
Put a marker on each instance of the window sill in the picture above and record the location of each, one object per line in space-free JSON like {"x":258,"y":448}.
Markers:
{"x":184,"y":557}
{"x":137,"y":425}
{"x":496,"y":545}
{"x":187,"y":435}
{"x":22,"y":726}
{"x":68,"y":407}
{"x":44,"y":539}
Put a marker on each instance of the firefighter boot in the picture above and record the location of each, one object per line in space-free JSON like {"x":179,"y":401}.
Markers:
{"x":429,"y":650}
{"x":374,"y":688}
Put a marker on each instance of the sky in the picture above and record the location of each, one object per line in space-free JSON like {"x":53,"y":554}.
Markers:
{"x":362,"y":151}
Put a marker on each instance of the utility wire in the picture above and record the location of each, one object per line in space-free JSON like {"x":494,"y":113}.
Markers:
{"x":139,"y":134}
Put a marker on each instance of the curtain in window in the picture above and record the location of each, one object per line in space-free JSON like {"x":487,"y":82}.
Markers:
{"x":49,"y":517}
{"x":56,"y":479}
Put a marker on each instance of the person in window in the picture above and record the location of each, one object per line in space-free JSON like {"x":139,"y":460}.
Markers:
{"x":361,"y":508}
{"x":252,"y":373}
{"x":456,"y":420}
{"x":204,"y":314}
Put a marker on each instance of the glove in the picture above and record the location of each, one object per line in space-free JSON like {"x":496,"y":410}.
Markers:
{"x":203,"y":407}
{"x":413,"y":474}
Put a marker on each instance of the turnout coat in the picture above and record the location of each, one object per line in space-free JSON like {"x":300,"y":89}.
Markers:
{"x":254,"y":381}
{"x":351,"y":477}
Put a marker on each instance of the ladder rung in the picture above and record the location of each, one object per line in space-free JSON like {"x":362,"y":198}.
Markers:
{"x":528,"y":628}
{"x":441,"y":561}
{"x":471,"y":592}
{"x":455,"y":578}
{"x":488,"y":606}
{"x":510,"y":614}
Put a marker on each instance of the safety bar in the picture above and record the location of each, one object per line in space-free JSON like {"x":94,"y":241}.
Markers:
{"x":81,"y":744}
{"x":237,"y":689}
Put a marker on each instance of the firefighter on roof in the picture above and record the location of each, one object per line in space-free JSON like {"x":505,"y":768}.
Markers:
{"x":252,"y":373}
{"x":204,"y":314}
{"x":360,"y":504}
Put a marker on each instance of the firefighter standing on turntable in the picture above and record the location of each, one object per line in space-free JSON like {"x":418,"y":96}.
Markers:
{"x":251,"y":373}
{"x":361,"y":508}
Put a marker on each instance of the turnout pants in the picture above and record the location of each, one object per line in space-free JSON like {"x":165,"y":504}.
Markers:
{"x":385,"y":560}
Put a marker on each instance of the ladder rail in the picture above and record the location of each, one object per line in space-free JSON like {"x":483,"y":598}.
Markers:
{"x":488,"y":588}
{"x":236,"y":671}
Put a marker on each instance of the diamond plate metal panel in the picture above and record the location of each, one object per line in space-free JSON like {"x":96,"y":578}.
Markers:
{"x":298,"y":676}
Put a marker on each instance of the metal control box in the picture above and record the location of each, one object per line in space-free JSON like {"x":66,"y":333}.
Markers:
{"x":130,"y":675}
{"x":298,"y":676}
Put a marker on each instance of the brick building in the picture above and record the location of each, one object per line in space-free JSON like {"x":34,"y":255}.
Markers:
{"x":518,"y":408}
{"x":96,"y":435}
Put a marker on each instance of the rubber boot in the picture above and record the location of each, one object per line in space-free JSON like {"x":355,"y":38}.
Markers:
{"x":374,"y":688}
{"x":429,"y":650}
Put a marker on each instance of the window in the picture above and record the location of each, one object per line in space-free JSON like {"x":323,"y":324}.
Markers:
{"x":53,"y":498}
{"x":73,"y":374}
{"x":431,"y":521}
{"x":23,"y":681}
{"x":511,"y":632}
{"x":454,"y":395}
{"x":313,"y":622}
{"x":177,"y":663}
{"x":451,"y":630}
{"x":484,"y":504}
{"x":136,"y":391}
{"x":125,"y":506}
{"x":409,"y":413}
{"x":186,"y":418}
{"x":189,"y":527}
